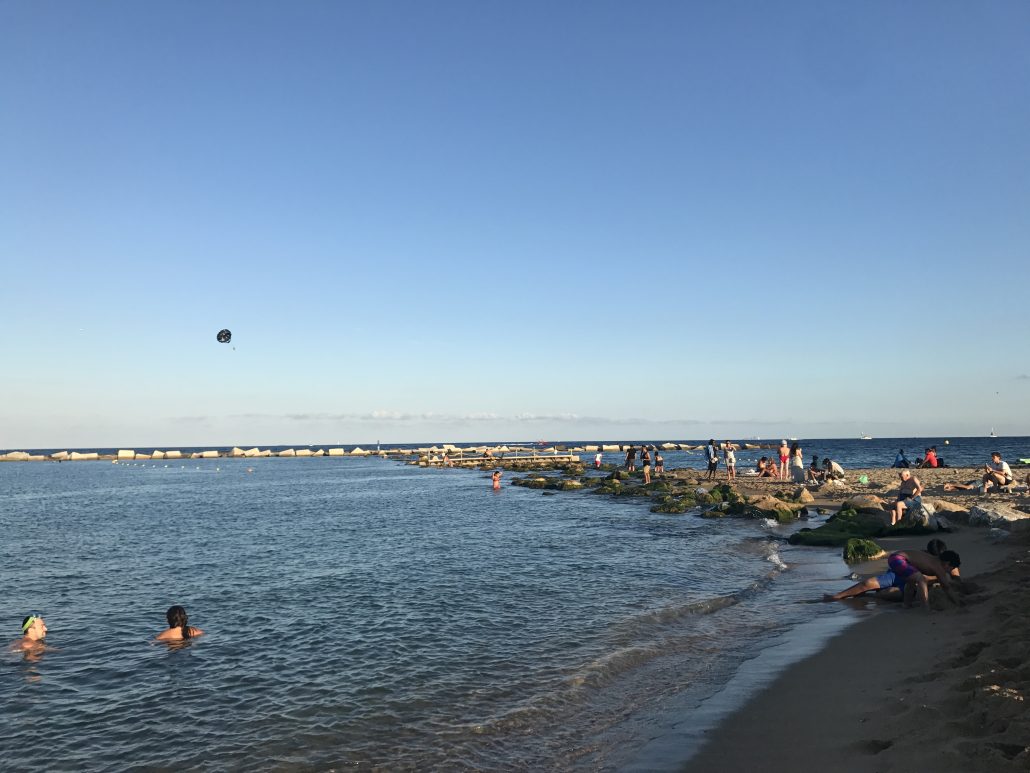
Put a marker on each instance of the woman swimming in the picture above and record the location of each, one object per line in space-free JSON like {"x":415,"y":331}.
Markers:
{"x":178,"y":626}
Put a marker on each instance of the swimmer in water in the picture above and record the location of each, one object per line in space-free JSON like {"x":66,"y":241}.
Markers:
{"x":179,"y":628}
{"x":33,"y":631}
{"x":496,"y":478}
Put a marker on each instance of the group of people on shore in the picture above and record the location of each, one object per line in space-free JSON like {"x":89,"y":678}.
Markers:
{"x":34,"y":631}
{"x":928,"y":460}
{"x":909,"y":575}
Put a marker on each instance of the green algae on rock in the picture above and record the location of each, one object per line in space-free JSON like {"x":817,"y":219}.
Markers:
{"x":857,"y":550}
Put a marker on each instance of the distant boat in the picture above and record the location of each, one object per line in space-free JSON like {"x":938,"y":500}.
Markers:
{"x":992,"y":433}
{"x":865,"y":437}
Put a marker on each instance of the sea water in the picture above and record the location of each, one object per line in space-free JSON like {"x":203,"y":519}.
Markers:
{"x":366,"y":614}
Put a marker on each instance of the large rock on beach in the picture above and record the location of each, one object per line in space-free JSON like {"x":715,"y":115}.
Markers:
{"x":865,"y":503}
{"x":945,"y":506}
{"x":999,"y":516}
{"x":803,"y":495}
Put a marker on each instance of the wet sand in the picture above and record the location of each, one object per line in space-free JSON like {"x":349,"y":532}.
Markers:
{"x":907,"y":689}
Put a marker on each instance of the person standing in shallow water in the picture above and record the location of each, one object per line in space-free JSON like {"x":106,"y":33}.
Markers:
{"x":179,"y":628}
{"x":631,"y":459}
{"x":496,"y":478}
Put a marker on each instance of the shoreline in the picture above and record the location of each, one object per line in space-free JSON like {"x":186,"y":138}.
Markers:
{"x":903,"y":689}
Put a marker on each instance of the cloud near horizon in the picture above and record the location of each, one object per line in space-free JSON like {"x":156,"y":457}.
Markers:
{"x":401,"y":417}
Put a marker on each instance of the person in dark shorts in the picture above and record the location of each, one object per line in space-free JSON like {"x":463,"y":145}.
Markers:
{"x":631,"y":459}
{"x":712,"y":453}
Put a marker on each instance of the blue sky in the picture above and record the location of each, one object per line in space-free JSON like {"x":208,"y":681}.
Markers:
{"x":473,"y":220}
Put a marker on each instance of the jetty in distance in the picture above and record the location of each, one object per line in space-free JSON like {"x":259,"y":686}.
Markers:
{"x":447,"y":453}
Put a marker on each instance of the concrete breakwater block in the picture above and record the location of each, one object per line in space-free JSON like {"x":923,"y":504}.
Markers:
{"x":208,"y":454}
{"x":60,"y":456}
{"x":288,"y":452}
{"x":304,"y":452}
{"x":92,"y":456}
{"x":236,"y":452}
{"x":157,"y":454}
{"x":336,"y":452}
{"x":125,"y":453}
{"x":359,"y":451}
{"x":252,"y":452}
{"x":15,"y":456}
{"x":173,"y":454}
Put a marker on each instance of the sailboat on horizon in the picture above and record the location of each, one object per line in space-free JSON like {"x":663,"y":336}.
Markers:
{"x":992,"y":433}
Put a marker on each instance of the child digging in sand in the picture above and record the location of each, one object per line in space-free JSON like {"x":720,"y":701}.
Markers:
{"x":910,"y":571}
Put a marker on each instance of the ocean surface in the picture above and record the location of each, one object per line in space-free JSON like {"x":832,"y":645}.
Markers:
{"x":366,"y":614}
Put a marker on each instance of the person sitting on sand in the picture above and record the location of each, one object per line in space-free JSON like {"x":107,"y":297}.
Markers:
{"x":996,"y":472}
{"x":179,"y":628}
{"x":833,"y":471}
{"x":930,"y":460}
{"x":815,"y":474}
{"x":909,"y":496}
{"x":910,"y":571}
{"x":767,"y":468}
{"x":33,"y":632}
{"x":900,"y":461}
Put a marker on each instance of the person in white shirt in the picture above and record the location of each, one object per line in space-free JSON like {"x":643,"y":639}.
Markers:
{"x":996,"y":472}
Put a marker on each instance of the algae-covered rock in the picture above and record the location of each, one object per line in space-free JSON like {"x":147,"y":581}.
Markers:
{"x":714,"y":512}
{"x":857,"y":550}
{"x":845,"y":525}
{"x":674,"y":505}
{"x":766,"y":506}
{"x":570,"y":485}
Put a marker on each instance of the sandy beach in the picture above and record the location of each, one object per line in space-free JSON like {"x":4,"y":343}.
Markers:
{"x":907,"y":689}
